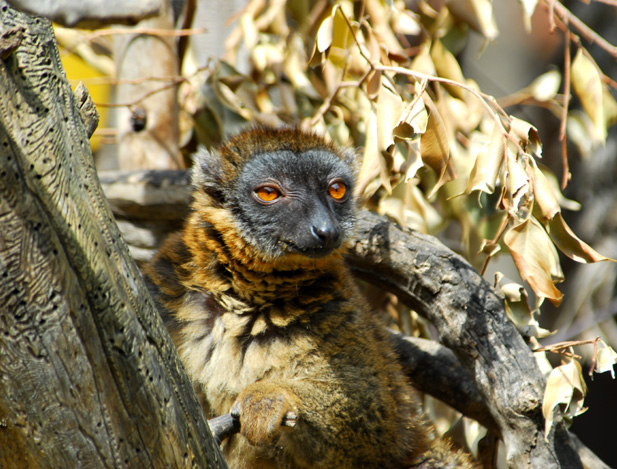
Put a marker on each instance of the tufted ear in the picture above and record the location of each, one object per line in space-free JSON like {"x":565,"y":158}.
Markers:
{"x":209,"y":173}
{"x":350,"y":156}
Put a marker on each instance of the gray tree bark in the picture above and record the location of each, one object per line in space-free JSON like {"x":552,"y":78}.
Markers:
{"x":88,"y":374}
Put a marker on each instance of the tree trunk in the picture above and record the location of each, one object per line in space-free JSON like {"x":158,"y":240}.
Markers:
{"x":88,"y":374}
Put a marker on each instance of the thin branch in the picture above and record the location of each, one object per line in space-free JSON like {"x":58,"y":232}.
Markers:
{"x":147,"y":31}
{"x":559,"y":347}
{"x":569,"y":18}
{"x":564,"y":116}
{"x":145,"y":96}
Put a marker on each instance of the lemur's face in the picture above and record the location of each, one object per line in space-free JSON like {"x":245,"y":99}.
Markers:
{"x":294,"y":202}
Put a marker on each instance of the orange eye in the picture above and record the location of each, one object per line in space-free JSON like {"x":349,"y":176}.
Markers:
{"x":267,"y":193}
{"x":337,"y":190}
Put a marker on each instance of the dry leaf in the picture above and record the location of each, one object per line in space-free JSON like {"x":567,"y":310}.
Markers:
{"x":478,"y":14}
{"x":564,"y":385}
{"x":536,"y":259}
{"x":546,"y":86}
{"x":405,"y":22}
{"x":435,"y":146}
{"x":413,"y":120}
{"x":519,"y":312}
{"x":489,"y":161}
{"x":448,"y":67}
{"x":371,"y":164}
{"x":568,"y":243}
{"x":606,"y":358}
{"x":325,"y":33}
{"x":529,"y":6}
{"x":543,"y":192}
{"x":587,"y":84}
{"x":518,"y":188}
{"x":527,"y":135}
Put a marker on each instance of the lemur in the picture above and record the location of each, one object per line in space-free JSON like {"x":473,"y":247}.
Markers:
{"x":269,"y":322}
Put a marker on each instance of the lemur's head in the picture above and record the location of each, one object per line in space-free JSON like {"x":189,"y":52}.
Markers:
{"x":289,"y":192}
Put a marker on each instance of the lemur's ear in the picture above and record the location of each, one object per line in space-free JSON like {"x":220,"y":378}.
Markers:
{"x":349,"y":156}
{"x":209,"y":173}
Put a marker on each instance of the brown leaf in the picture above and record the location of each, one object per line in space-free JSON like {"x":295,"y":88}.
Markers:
{"x":568,"y":243}
{"x":435,"y":146}
{"x":536,"y":259}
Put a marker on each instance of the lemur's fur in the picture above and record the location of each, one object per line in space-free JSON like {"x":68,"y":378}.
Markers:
{"x":267,"y":318}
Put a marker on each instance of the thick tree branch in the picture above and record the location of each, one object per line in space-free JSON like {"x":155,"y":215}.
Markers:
{"x":470,"y":319}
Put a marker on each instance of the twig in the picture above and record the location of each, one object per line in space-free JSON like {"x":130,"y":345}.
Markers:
{"x":561,"y":346}
{"x":564,"y":115}
{"x":145,"y":96}
{"x":147,"y":31}
{"x":585,"y":31}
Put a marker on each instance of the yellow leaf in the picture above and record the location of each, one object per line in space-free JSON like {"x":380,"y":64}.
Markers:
{"x":519,"y":312}
{"x":536,"y":259}
{"x":546,"y":86}
{"x":447,"y":67}
{"x":389,"y":108}
{"x":325,"y":34}
{"x":476,"y":13}
{"x":373,"y":84}
{"x":371,"y":165}
{"x":568,"y":243}
{"x":517,"y":184}
{"x":564,"y":385}
{"x":527,"y":135}
{"x":605,"y":359}
{"x":544,"y":195}
{"x":587,"y":84}
{"x":413,"y":120}
{"x":529,"y":6}
{"x":489,"y":161}
{"x":413,"y":162}
{"x":554,"y":184}
{"x":422,"y":62}
{"x":406,"y":23}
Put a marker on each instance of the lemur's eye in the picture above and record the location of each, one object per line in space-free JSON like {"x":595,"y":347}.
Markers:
{"x":337,"y":190}
{"x":267,"y":193}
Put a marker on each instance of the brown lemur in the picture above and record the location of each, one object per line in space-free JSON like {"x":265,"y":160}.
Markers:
{"x":267,"y":318}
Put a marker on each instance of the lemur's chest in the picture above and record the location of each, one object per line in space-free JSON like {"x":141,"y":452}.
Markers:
{"x":229,"y":345}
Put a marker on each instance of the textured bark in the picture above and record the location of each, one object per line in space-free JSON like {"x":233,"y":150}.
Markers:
{"x":470,"y":319}
{"x":88,"y":374}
